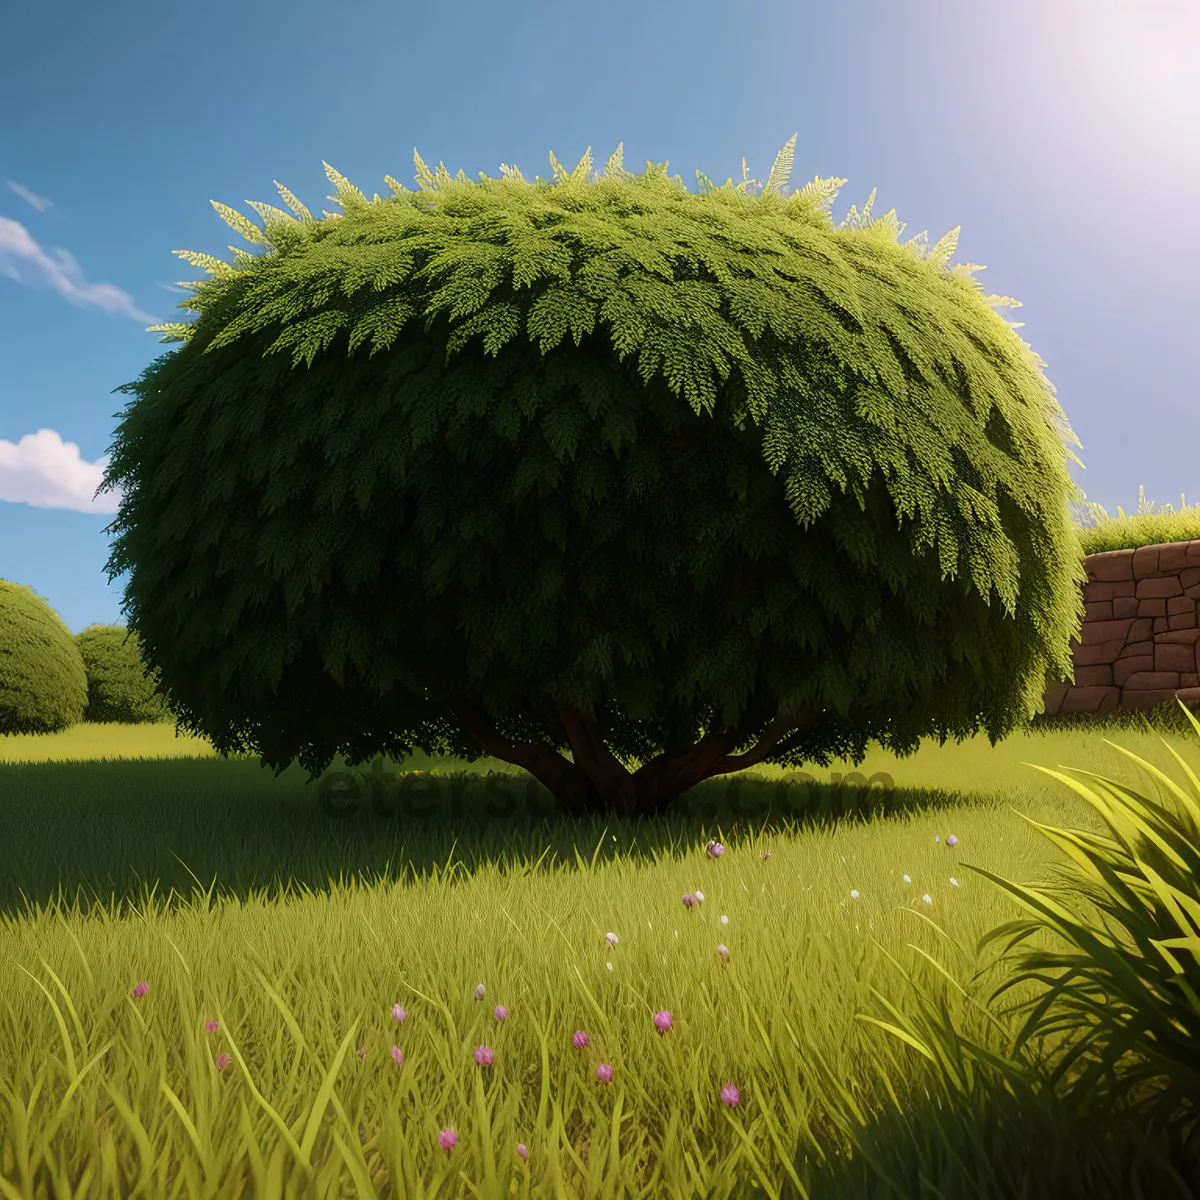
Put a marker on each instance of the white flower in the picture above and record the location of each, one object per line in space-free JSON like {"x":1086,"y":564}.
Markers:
{"x":612,"y":939}
{"x":907,"y":880}
{"x":854,"y":895}
{"x":699,"y":896}
{"x":954,"y":881}
{"x":926,"y":898}
{"x":608,"y":965}
{"x":724,"y":920}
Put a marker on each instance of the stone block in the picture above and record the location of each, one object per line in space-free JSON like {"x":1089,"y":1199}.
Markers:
{"x":1178,"y":604}
{"x":1141,"y":629}
{"x":1172,"y":556}
{"x":1091,"y":699}
{"x":1173,"y":656}
{"x":1182,"y":621}
{"x":1159,"y":589}
{"x":1189,"y":577}
{"x":1189,"y":679}
{"x":1102,"y":610}
{"x":1179,"y":635}
{"x":1054,"y":696}
{"x":1137,"y":649}
{"x":1143,"y":680}
{"x":1105,"y":631}
{"x":1193,"y":591}
{"x":1160,"y":625}
{"x":1093,"y":676}
{"x":1097,"y":591}
{"x":1152,"y":608}
{"x":1097,"y":652}
{"x":1127,"y":606}
{"x":1145,"y":561}
{"x":1112,"y":565}
{"x":1123,"y":668}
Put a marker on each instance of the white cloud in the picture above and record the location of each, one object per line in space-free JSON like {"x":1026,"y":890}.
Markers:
{"x":44,"y":471}
{"x":41,"y":203}
{"x":61,"y":272}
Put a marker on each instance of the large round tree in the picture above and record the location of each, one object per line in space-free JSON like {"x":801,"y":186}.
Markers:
{"x":672,"y":483}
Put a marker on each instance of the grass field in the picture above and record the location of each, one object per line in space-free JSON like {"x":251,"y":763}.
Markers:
{"x":318,"y":924}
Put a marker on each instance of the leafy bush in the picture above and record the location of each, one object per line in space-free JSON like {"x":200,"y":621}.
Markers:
{"x":43,"y":685}
{"x":120,"y":688}
{"x":640,"y":476}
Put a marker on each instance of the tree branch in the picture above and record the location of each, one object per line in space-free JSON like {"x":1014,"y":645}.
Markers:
{"x":565,"y":779}
{"x":773,"y":740}
{"x":611,"y":778}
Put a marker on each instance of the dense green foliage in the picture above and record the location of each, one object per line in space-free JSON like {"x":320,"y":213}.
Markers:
{"x":789,"y":487}
{"x":43,"y":686}
{"x":119,"y":686}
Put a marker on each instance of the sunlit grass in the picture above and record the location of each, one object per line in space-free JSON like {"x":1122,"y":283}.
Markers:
{"x":419,"y":912}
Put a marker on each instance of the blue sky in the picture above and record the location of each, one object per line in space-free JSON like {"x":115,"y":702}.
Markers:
{"x":1060,"y":134}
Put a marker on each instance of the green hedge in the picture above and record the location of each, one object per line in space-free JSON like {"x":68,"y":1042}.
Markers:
{"x":119,"y":687}
{"x":43,"y":684}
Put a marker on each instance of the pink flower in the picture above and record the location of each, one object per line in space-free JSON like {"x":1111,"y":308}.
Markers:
{"x":580,"y":1039}
{"x":480,"y":991}
{"x":662,"y":1020}
{"x":723,"y":951}
{"x":521,"y":1151}
{"x":500,"y":1012}
{"x":212,"y":1026}
{"x":485,"y":1056}
{"x":223,"y":1060}
{"x":715,"y":849}
{"x":141,"y":989}
{"x":446,"y":1139}
{"x":689,"y":901}
{"x":604,"y":1073}
{"x":361,"y":1052}
{"x":399,"y":1013}
{"x":952,"y":840}
{"x":611,"y":938}
{"x":765,"y":855}
{"x":730,"y":1095}
{"x":398,"y":1056}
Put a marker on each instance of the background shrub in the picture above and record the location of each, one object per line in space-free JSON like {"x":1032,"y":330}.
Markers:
{"x":43,"y":684}
{"x":119,"y":688}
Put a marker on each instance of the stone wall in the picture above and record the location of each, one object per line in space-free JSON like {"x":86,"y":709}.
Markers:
{"x":1139,"y":644}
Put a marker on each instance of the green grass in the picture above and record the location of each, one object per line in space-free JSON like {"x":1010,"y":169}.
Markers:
{"x":301,"y":972}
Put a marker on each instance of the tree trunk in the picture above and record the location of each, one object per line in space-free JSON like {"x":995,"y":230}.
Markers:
{"x":598,"y":782}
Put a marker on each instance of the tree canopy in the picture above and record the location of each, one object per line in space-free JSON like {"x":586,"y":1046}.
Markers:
{"x":755,"y":509}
